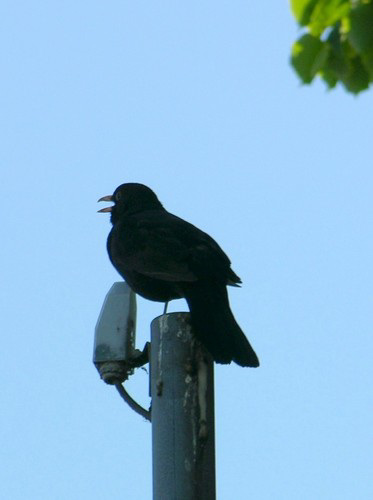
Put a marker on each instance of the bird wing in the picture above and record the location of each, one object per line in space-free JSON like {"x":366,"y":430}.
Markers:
{"x":150,"y":247}
{"x":163,"y":246}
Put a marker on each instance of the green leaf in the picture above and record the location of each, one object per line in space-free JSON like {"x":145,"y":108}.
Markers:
{"x":361,"y":28}
{"x":346,"y":55}
{"x":367,"y":58}
{"x":326,"y":13}
{"x":308,"y":57}
{"x":302,"y":10}
{"x":339,"y":54}
{"x":329,"y":78}
{"x":357,"y":79}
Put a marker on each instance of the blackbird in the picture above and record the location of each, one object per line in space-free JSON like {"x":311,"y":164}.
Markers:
{"x":163,"y":257}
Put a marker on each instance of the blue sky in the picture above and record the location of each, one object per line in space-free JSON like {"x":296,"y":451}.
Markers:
{"x":198,"y":102}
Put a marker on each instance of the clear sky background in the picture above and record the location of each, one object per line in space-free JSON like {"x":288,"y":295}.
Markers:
{"x":198,"y":101}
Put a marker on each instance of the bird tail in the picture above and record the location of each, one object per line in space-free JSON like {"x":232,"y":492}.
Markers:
{"x":214,"y":325}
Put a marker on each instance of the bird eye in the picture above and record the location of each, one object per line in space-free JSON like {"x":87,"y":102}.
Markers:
{"x":117,"y":196}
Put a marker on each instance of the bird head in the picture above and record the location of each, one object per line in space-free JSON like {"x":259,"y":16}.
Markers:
{"x":129,"y":199}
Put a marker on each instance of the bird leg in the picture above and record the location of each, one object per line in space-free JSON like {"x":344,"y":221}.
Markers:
{"x":165,"y":307}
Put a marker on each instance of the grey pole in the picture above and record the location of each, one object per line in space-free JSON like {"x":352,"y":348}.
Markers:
{"x":182,"y":390}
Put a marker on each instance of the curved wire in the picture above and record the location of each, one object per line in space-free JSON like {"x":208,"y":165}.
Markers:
{"x":132,"y":403}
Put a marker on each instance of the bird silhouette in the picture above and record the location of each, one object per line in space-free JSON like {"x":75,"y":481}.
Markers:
{"x":163,"y":257}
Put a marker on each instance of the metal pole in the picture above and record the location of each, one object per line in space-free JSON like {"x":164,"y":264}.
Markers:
{"x":182,"y":390}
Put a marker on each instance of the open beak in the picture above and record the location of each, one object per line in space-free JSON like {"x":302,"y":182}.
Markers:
{"x":106,"y":198}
